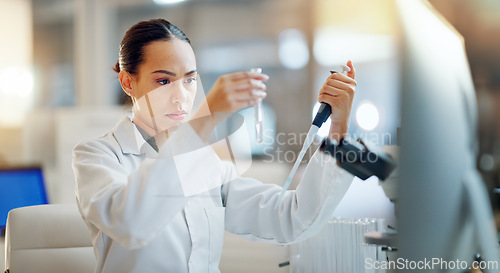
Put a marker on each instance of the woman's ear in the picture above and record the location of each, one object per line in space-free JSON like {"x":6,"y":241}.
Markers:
{"x":126,"y":82}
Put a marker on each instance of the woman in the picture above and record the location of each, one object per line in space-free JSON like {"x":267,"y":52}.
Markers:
{"x":155,"y":196}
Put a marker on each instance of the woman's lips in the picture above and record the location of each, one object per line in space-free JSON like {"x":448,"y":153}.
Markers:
{"x":177,"y":115}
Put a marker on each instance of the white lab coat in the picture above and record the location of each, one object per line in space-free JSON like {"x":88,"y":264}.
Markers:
{"x":145,"y":216}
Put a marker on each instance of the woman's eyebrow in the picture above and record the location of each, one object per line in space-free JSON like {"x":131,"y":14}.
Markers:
{"x":190,"y":72}
{"x":172,"y":73}
{"x":164,"y":72}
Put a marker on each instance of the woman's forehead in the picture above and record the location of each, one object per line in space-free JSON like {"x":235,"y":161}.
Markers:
{"x":169,"y":55}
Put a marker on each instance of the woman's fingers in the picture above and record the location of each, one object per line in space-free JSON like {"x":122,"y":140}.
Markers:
{"x":247,"y":84}
{"x":244,"y":89}
{"x":342,"y":78}
{"x":236,"y":91}
{"x":335,"y":88}
{"x":339,"y":85}
{"x":338,"y":91}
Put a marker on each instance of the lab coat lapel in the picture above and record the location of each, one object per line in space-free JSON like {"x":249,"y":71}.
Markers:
{"x":131,"y":141}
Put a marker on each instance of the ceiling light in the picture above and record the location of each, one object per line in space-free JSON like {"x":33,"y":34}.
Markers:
{"x":167,"y":2}
{"x":367,"y":116}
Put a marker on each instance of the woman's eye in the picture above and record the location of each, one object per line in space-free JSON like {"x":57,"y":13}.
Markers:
{"x":163,"y":82}
{"x":190,"y":80}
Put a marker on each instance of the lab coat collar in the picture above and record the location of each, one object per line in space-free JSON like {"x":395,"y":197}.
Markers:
{"x":130,"y":139}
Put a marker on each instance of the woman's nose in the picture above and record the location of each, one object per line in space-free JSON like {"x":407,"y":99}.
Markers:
{"x":179,"y":96}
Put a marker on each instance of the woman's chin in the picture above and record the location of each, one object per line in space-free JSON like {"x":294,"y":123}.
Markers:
{"x":168,"y":123}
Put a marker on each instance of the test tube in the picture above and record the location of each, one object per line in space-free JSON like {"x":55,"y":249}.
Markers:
{"x":259,"y":115}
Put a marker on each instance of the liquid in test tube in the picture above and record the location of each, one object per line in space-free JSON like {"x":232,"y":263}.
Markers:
{"x":259,"y":115}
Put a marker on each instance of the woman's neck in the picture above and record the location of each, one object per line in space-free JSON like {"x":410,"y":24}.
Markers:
{"x":160,"y":137}
{"x":150,"y":130}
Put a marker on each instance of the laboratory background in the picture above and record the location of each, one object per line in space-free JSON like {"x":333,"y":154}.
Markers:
{"x":57,"y":87}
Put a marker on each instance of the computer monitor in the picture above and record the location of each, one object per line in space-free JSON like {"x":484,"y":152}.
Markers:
{"x":20,"y":187}
{"x":444,"y":211}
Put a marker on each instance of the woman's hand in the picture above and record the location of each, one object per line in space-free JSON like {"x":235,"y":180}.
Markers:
{"x":338,"y":91}
{"x":235,"y":91}
{"x":230,"y":93}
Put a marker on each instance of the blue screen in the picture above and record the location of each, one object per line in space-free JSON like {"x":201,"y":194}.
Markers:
{"x":20,"y":188}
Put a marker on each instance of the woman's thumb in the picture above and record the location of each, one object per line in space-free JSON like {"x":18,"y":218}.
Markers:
{"x":351,"y":74}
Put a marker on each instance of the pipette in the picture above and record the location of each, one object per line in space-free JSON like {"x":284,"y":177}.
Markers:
{"x":324,"y":111}
{"x":259,"y":116}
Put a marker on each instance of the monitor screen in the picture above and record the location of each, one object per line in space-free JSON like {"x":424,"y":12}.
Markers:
{"x":20,"y":187}
{"x":436,"y":216}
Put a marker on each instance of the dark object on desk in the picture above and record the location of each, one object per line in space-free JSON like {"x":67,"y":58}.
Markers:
{"x":358,"y":158}
{"x":283,"y":264}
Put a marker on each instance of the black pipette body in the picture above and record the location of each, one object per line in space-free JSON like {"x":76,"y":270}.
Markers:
{"x":324,"y":111}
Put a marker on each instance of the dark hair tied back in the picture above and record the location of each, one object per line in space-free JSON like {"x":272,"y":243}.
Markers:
{"x":138,"y":36}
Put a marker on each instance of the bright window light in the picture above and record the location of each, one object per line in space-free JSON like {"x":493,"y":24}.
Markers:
{"x":166,"y":2}
{"x":367,"y":116}
{"x":16,"y":94}
{"x":16,"y":81}
{"x":16,"y":69}
{"x":293,"y":51}
{"x":333,"y":46}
